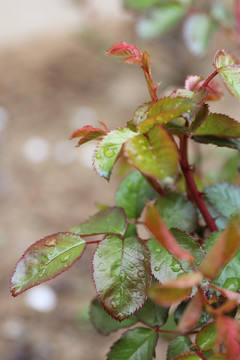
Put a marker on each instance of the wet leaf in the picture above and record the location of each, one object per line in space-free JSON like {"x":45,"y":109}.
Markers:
{"x":87,"y":133}
{"x":187,"y":355}
{"x":160,"y":231}
{"x":104,"y":323}
{"x":132,"y":194}
{"x":46,"y":259}
{"x":139,"y":115}
{"x":109,"y":149}
{"x":178,"y":345}
{"x":224,"y":58}
{"x":122,"y":275}
{"x":177,"y":211}
{"x":206,"y":338}
{"x":165,"y":110}
{"x":226,"y":246}
{"x":136,"y":344}
{"x":197,"y":32}
{"x":155,"y":156}
{"x":108,"y":221}
{"x":219,"y":125}
{"x":230,"y":75}
{"x":151,"y":314}
{"x":174,"y":290}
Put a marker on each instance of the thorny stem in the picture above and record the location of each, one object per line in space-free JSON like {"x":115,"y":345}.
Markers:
{"x":152,"y":88}
{"x":199,"y":352}
{"x":191,"y":185}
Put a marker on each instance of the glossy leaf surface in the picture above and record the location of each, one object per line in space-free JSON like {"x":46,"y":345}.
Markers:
{"x":104,"y":323}
{"x":188,"y":355}
{"x":165,"y":110}
{"x":206,"y":337}
{"x":219,"y":125}
{"x":108,"y":221}
{"x":178,"y":345}
{"x":223,"y":142}
{"x":132,"y":194}
{"x":46,"y":259}
{"x":136,"y":344}
{"x":155,"y":156}
{"x":151,"y":314}
{"x":177,"y":211}
{"x":225,"y":247}
{"x":109,"y":149}
{"x":174,"y":290}
{"x":122,"y":275}
{"x":139,"y":115}
{"x":161,"y":233}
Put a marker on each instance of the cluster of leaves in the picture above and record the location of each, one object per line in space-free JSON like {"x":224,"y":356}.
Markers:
{"x":199,"y":26}
{"x":187,"y":271}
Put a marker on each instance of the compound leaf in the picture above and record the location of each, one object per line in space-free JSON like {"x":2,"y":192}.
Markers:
{"x":104,"y":323}
{"x":122,"y":275}
{"x":132,"y":194}
{"x":108,"y":150}
{"x":136,"y":344}
{"x":108,"y":221}
{"x":46,"y":259}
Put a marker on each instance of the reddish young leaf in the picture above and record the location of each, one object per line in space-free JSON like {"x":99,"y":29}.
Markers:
{"x":194,"y":83}
{"x":223,"y":250}
{"x":192,"y":313}
{"x":224,"y":58}
{"x":174,"y":290}
{"x":160,"y":231}
{"x":87,"y":133}
{"x":228,"y":333}
{"x":46,"y":259}
{"x":125,"y":49}
{"x":231,"y":295}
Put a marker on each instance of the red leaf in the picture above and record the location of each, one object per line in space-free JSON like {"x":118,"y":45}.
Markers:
{"x":229,"y":334}
{"x":87,"y":133}
{"x":231,"y":295}
{"x":194,"y":83}
{"x":134,"y":56}
{"x":160,"y":231}
{"x":192,"y":313}
{"x":223,"y":250}
{"x":174,"y":290}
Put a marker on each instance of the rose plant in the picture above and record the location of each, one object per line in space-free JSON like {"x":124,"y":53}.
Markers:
{"x":182,"y":279}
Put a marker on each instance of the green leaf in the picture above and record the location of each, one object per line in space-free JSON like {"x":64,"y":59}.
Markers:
{"x":131,"y":230}
{"x":199,"y":118}
{"x":155,"y":156}
{"x":162,"y":19}
{"x":177,"y":211}
{"x":178,"y":345}
{"x":165,"y":110}
{"x":122,"y":275}
{"x":217,"y":357}
{"x":230,"y":143}
{"x":187,"y":355}
{"x":132,"y":194}
{"x":224,"y":197}
{"x":224,"y":58}
{"x":152,"y":315}
{"x":197,"y":32}
{"x":206,"y":337}
{"x":140,"y":4}
{"x":136,"y":344}
{"x":46,"y":259}
{"x":219,"y":125}
{"x":108,"y":221}
{"x":108,"y":150}
{"x":104,"y":323}
{"x":229,"y":169}
{"x":139,"y":116}
{"x":230,"y":75}
{"x":164,"y":266}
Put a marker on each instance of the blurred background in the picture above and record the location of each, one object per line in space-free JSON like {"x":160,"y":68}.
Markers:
{"x":55,"y":78}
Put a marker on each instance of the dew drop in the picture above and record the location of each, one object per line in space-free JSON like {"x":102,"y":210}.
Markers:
{"x":50,"y":242}
{"x":108,"y":152}
{"x":50,"y":252}
{"x":175,"y":266}
{"x":140,"y":274}
{"x":64,"y":258}
{"x":98,"y":156}
{"x":158,"y":251}
{"x":41,"y":272}
{"x":68,"y":234}
{"x":157,"y":268}
{"x":113,"y":304}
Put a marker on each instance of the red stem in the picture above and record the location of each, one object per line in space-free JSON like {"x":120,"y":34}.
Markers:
{"x":199,"y":352}
{"x":209,"y":79}
{"x":192,"y":187}
{"x":157,"y":187}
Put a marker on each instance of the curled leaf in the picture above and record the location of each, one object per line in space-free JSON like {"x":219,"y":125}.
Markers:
{"x":134,"y":56}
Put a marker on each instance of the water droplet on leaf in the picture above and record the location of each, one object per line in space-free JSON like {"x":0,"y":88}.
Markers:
{"x":41,"y":272}
{"x":113,"y":304}
{"x":64,"y":258}
{"x":98,"y":156}
{"x":108,"y":152}
{"x":175,"y":266}
{"x":157,"y":268}
{"x":140,"y":274}
{"x":50,"y":242}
